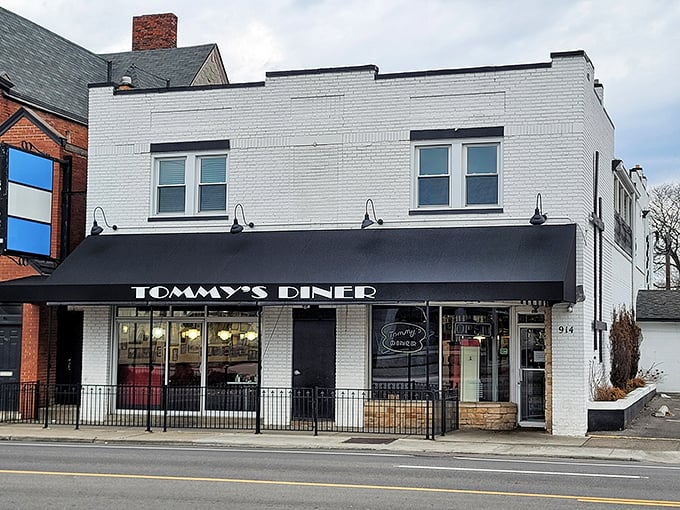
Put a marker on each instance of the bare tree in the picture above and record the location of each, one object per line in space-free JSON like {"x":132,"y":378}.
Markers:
{"x":665,"y":213}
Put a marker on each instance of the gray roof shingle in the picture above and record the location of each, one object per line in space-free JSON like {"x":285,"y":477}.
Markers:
{"x":45,"y":68}
{"x":53,"y":73}
{"x":154,"y":68}
{"x":658,"y":305}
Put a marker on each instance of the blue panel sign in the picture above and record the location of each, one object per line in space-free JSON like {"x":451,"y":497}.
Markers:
{"x":27,"y":207}
{"x":30,"y":169}
{"x":28,"y":236}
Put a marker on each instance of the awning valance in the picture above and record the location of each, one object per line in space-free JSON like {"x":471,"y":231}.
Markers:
{"x":536,"y":263}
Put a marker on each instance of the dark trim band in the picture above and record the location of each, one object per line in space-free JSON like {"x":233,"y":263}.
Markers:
{"x":444,"y":134}
{"x":186,"y":218}
{"x":204,"y":145}
{"x":490,"y":210}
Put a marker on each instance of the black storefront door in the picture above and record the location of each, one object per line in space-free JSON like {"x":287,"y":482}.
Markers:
{"x":10,"y":367}
{"x":313,"y":362}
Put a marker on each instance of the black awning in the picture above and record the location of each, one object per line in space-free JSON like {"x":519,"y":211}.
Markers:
{"x":535,"y":263}
{"x":29,"y":289}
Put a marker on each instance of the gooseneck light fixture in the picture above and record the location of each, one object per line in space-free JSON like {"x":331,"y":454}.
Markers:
{"x":538,"y":218}
{"x":367,"y":219}
{"x":96,"y":229}
{"x":237,"y":228}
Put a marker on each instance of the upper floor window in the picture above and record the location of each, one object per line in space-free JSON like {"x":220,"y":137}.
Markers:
{"x":481,"y":174}
{"x":457,"y":173}
{"x":171,"y":193}
{"x":623,"y":207}
{"x":622,"y":201}
{"x":212,"y":183}
{"x":190,"y":178}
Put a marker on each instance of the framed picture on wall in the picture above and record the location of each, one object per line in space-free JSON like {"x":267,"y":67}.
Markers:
{"x":174,"y":353}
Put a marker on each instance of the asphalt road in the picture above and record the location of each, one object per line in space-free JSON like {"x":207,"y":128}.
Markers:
{"x":86,"y":476}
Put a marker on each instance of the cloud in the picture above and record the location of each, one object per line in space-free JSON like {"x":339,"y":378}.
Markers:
{"x":631,"y":43}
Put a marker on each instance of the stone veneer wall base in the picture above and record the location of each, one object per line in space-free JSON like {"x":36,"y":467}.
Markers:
{"x":487,"y":415}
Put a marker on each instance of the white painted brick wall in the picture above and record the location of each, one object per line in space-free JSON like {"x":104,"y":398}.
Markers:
{"x":277,"y":347}
{"x":361,"y":128}
{"x":308,"y":150}
{"x":352,"y":347}
{"x":97,"y":345}
{"x":97,"y":363}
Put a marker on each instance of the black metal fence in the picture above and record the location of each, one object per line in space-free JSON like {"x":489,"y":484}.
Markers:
{"x":404,"y":410}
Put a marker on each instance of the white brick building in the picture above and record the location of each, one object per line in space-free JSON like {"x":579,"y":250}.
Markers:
{"x":463,"y":156}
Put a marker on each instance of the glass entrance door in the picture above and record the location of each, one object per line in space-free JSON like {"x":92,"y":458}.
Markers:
{"x":532,"y":375}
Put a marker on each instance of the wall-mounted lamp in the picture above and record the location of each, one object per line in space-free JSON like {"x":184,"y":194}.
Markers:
{"x":570,"y":308}
{"x":367,"y":219}
{"x":237,"y":228}
{"x":96,"y":229}
{"x":538,"y":218}
{"x":645,"y":212}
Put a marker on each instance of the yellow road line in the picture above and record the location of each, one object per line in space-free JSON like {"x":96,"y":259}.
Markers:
{"x":585,"y":499}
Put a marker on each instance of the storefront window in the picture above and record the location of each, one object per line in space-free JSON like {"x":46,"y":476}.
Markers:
{"x":476,"y":353}
{"x":185,"y":349}
{"x":404,"y":356}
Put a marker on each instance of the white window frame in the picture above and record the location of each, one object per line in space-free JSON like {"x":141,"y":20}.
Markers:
{"x":457,"y":173}
{"x":192,"y":183}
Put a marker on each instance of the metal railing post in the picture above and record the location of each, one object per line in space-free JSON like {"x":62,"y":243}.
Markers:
{"x":79,"y":398}
{"x":47,"y":406}
{"x":443,"y":411}
{"x":315,"y":415}
{"x":36,"y":403}
{"x":164,"y":396}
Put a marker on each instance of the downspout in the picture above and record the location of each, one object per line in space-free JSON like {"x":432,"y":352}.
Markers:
{"x":599,"y":283}
{"x":66,"y":187}
{"x":596,"y":178}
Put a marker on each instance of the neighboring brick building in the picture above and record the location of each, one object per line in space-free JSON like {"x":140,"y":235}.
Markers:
{"x":454,"y":289}
{"x":44,"y":108}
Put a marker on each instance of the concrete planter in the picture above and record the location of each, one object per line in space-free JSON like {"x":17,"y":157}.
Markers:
{"x":618,"y":414}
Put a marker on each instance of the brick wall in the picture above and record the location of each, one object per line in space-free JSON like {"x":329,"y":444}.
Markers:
{"x":277,"y":346}
{"x":97,"y":352}
{"x":154,"y":31}
{"x":352,"y":347}
{"x":307,"y":150}
{"x":35,"y":322}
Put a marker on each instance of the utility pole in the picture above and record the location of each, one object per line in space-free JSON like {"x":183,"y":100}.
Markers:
{"x":668,"y":262}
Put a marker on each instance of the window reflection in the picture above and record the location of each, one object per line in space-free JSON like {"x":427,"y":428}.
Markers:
{"x":184,"y":348}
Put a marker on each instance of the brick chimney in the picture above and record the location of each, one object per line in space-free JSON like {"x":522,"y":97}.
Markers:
{"x":154,"y":31}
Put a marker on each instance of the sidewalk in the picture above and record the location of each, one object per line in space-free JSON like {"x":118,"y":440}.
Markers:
{"x":518,"y":442}
{"x":647,"y":439}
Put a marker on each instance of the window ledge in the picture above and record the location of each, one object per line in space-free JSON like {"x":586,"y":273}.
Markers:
{"x":490,"y":210}
{"x":186,"y":218}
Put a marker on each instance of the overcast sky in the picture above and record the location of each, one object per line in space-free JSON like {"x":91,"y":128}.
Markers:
{"x":633,"y":44}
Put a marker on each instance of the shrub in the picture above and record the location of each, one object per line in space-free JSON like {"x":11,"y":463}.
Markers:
{"x":608,"y":393}
{"x":634,"y":383}
{"x":651,"y":374}
{"x":624,"y":338}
